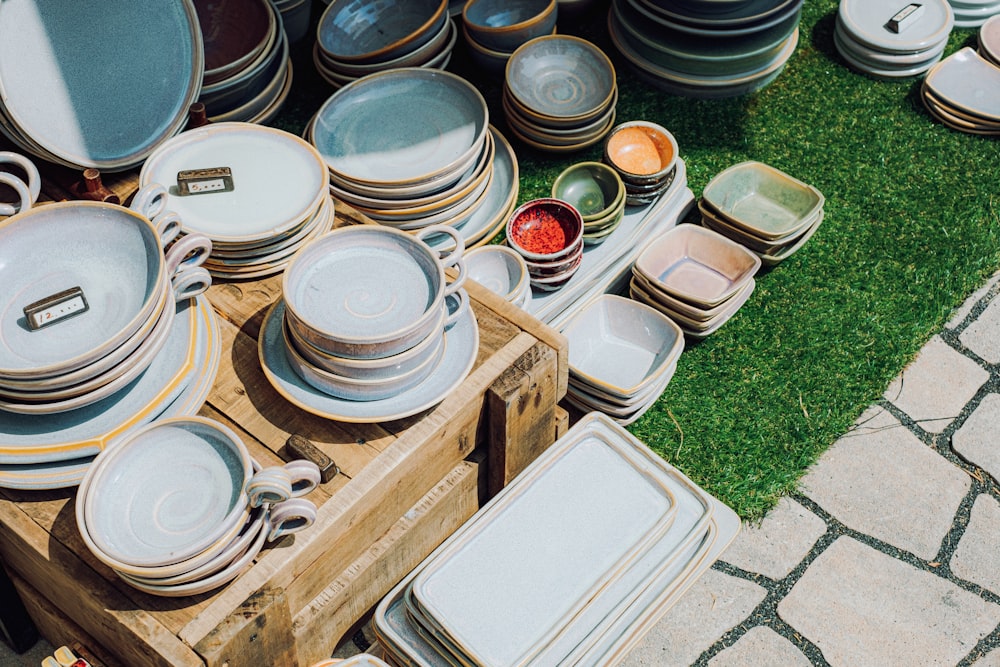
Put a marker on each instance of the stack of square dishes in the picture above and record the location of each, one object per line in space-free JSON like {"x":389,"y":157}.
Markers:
{"x":248,"y":73}
{"x":888,"y":39}
{"x":501,"y":270}
{"x":622,"y":355}
{"x":706,"y":48}
{"x":368,"y":328}
{"x":107,"y":109}
{"x":100,"y":338}
{"x":762,"y":208}
{"x":963,"y":92}
{"x":559,"y":93}
{"x":974,"y":13}
{"x":179,"y":508}
{"x":696,"y":277}
{"x":432,"y":160}
{"x":989,"y":40}
{"x":355,"y":38}
{"x":273,"y":200}
{"x":550,"y":572}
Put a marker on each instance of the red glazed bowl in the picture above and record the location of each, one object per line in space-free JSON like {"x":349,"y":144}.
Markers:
{"x":545,"y":230}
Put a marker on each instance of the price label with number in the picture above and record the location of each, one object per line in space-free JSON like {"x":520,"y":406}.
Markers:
{"x":55,"y":308}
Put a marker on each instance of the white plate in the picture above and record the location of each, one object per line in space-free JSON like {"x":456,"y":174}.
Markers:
{"x":111,"y":108}
{"x":462,"y":343}
{"x":279,"y":180}
{"x":28,"y":439}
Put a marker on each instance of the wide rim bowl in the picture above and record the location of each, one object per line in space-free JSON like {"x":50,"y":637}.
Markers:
{"x":507,"y":26}
{"x":391,"y":32}
{"x":418,"y":56}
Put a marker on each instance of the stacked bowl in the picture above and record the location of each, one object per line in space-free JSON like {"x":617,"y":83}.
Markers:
{"x":369,"y":317}
{"x":622,"y":355}
{"x":271,"y":199}
{"x":706,"y":48}
{"x":179,"y":508}
{"x":963,"y":92}
{"x":91,"y":319}
{"x":597,"y":192}
{"x":548,"y":234}
{"x":762,"y":208}
{"x":248,"y":72}
{"x":430,"y":162}
{"x":559,"y":93}
{"x":989,"y":40}
{"x":355,"y":38}
{"x":501,"y":270}
{"x":645,"y":157}
{"x":890,"y":40}
{"x":974,"y":13}
{"x":494,"y":29}
{"x":696,"y":277}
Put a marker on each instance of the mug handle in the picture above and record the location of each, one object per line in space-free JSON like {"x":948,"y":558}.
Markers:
{"x":290,"y":516}
{"x":188,"y":252}
{"x":23,"y":193}
{"x":305,"y":476}
{"x":34,"y":181}
{"x":449,"y":257}
{"x":463,"y":305}
{"x":168,"y":226}
{"x":150,"y":200}
{"x":269,"y":486}
{"x":189,"y":282}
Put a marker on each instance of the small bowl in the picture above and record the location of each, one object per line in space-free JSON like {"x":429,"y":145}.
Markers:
{"x":989,"y":39}
{"x":593,"y":188}
{"x":642,"y":153}
{"x":504,"y":25}
{"x":489,"y":59}
{"x":545,"y":229}
{"x":499,"y":269}
{"x":552,"y":270}
{"x":380,"y":30}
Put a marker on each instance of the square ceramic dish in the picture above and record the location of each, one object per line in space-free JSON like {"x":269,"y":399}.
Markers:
{"x":967,"y":81}
{"x":542,"y":549}
{"x":765,"y":201}
{"x":621,"y":346}
{"x":697,"y":265}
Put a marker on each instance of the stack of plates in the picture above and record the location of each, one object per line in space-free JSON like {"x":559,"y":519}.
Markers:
{"x":550,"y":572}
{"x":880,"y":39}
{"x":354,"y":39}
{"x":275,"y":201}
{"x":706,"y":48}
{"x":248,"y":73}
{"x":559,"y":93}
{"x":763,"y":208}
{"x":432,"y":160}
{"x":973,"y":13}
{"x":696,"y":277}
{"x":109,"y":108}
{"x":963,"y":92}
{"x":622,"y":355}
{"x":989,"y":40}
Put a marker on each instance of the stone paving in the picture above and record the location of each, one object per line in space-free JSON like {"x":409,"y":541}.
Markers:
{"x":888,"y":555}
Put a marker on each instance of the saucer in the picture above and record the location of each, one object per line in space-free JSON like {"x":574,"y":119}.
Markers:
{"x":462,"y":343}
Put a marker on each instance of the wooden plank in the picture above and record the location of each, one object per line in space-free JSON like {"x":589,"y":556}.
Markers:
{"x":322,"y":624}
{"x":57,"y":626}
{"x":258,"y":632}
{"x":517,"y":433}
{"x":562,"y":422}
{"x":111,"y":618}
{"x":396,"y":479}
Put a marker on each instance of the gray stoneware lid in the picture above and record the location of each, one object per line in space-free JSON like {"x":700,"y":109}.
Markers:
{"x":867,"y":21}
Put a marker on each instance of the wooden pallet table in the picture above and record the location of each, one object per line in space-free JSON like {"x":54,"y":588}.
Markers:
{"x":402,"y":487}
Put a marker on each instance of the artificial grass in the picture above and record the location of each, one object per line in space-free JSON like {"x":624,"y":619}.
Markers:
{"x":912,"y":227}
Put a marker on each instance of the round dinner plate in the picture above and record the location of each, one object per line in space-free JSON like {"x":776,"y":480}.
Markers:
{"x":29,"y":439}
{"x":864,"y":21}
{"x":461,"y":345}
{"x":402,"y":126}
{"x":279,"y":180}
{"x":59,"y":61}
{"x":753,"y":11}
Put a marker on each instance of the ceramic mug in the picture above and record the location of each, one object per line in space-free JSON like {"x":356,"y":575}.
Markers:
{"x":29,"y":196}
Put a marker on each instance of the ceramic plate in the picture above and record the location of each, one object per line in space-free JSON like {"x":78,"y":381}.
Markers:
{"x":753,"y":12}
{"x":69,"y":472}
{"x":462,"y":343}
{"x":865,"y":21}
{"x":969,"y":82}
{"x":28,"y":439}
{"x":61,"y":99}
{"x":429,"y":122}
{"x":734,"y":29}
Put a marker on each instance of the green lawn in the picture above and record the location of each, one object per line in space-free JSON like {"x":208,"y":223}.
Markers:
{"x":911,"y":229}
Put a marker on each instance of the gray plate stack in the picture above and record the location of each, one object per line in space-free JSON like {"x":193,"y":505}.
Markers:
{"x":706,"y":48}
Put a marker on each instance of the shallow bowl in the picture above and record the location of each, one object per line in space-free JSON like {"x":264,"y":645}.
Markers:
{"x":378,"y":30}
{"x":593,"y":188}
{"x":415,"y":58}
{"x":643,"y":153}
{"x":499,"y":269}
{"x":504,"y":25}
{"x":545,"y":229}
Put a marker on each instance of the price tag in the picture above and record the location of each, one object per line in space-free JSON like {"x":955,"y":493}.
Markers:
{"x":905,"y":17}
{"x":203,"y":181}
{"x":55,"y":308}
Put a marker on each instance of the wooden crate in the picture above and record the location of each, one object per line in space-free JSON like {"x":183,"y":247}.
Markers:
{"x":402,"y":488}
